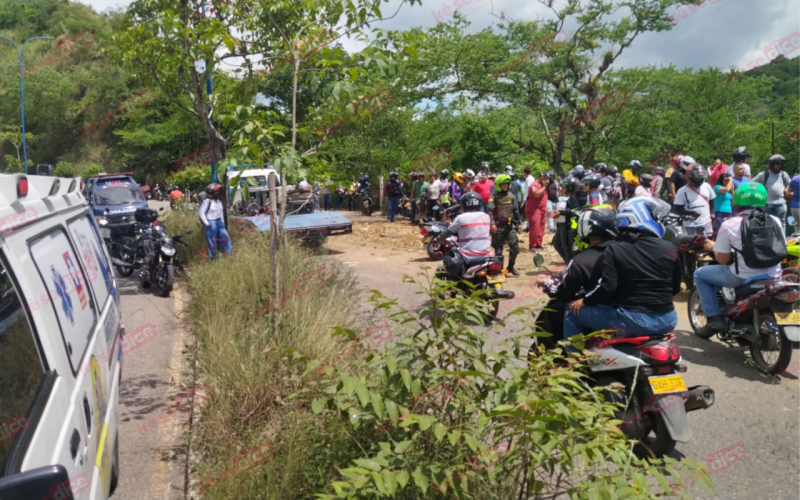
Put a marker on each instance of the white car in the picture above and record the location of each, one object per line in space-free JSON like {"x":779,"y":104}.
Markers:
{"x":60,"y":345}
{"x":259,"y":193}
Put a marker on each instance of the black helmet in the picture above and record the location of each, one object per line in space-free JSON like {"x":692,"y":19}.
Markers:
{"x":600,"y":167}
{"x":571,"y":185}
{"x":578,"y":171}
{"x":444,"y":173}
{"x":213,"y":189}
{"x":550,"y":174}
{"x":597,"y":222}
{"x":646,"y":180}
{"x":593,"y":181}
{"x":659,"y":171}
{"x":636,"y":165}
{"x":696,"y":174}
{"x":413,"y":175}
{"x":777,"y":160}
{"x":740,"y":154}
{"x":392,"y":174}
{"x":471,"y":201}
{"x":612,"y":170}
{"x":485,"y":165}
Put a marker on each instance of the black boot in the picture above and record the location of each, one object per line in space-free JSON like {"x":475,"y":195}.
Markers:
{"x":715,"y":324}
{"x":512,"y":259}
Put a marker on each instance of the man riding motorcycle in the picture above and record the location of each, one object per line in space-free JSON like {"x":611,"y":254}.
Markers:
{"x":631,"y":176}
{"x":505,"y":218}
{"x":640,"y":275}
{"x":749,"y":197}
{"x":473,"y":230}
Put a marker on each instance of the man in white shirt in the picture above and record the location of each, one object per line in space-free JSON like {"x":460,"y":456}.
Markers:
{"x":211,"y":215}
{"x":433,"y":191}
{"x":695,"y":198}
{"x":737,"y":273}
{"x":740,"y":158}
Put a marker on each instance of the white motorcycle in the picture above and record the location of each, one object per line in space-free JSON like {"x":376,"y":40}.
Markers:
{"x":646,"y":371}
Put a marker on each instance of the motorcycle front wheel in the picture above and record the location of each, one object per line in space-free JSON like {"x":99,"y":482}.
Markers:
{"x":165,"y":279}
{"x":114,"y":251}
{"x":773,"y":354}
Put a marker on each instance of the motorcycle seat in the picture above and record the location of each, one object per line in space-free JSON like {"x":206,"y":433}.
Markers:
{"x":751,"y":288}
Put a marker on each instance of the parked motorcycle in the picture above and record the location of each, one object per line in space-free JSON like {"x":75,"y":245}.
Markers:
{"x":646,"y":371}
{"x":486,"y":274}
{"x":151,"y":250}
{"x":763,"y":315}
{"x":405,"y":206}
{"x":366,"y":203}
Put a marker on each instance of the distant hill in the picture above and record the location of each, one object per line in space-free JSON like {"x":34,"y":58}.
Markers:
{"x":784,"y":90}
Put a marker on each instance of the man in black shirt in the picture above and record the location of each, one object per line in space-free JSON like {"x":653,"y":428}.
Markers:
{"x":678,"y":178}
{"x":639,"y":276}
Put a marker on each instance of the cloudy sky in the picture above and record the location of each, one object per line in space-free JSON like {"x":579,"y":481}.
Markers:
{"x":722,"y":34}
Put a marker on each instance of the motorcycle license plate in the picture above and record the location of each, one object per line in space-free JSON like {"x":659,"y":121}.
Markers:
{"x":105,"y":233}
{"x":667,"y":384}
{"x":788,"y":318}
{"x":496,"y":278}
{"x":427,"y":239}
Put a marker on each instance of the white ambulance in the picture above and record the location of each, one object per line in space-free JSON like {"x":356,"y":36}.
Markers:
{"x":60,"y":345}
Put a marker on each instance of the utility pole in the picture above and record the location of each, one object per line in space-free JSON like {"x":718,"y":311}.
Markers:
{"x":20,"y":53}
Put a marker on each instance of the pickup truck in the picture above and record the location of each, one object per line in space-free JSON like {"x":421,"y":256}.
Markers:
{"x":313,"y":228}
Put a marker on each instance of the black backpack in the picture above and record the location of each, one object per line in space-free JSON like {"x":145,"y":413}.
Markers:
{"x":762,"y":241}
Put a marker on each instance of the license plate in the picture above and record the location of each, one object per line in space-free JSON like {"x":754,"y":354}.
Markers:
{"x":426,"y":239}
{"x":667,"y":384}
{"x":496,"y":278}
{"x":788,"y":318}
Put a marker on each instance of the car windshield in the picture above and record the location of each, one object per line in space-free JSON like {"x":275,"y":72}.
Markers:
{"x":117,"y":195}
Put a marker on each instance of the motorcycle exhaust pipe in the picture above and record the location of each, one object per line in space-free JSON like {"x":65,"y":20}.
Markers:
{"x":701,"y":397}
{"x":120,"y":263}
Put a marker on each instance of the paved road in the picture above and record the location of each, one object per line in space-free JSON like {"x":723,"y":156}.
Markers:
{"x":152,"y":454}
{"x":761,"y":413}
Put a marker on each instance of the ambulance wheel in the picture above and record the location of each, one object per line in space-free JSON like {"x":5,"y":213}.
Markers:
{"x":115,"y":468}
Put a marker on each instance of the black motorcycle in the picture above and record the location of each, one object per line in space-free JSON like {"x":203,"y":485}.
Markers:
{"x":366,"y":202}
{"x":688,"y":244}
{"x":484,"y":274}
{"x":151,"y":250}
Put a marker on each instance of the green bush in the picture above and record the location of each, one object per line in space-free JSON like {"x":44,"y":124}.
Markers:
{"x":64,"y":169}
{"x":91,"y":170}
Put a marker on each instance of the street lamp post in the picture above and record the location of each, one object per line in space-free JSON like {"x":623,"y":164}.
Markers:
{"x":20,"y":53}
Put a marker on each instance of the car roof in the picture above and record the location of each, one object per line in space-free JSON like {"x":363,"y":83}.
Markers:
{"x":114,"y":177}
{"x":39,"y":186}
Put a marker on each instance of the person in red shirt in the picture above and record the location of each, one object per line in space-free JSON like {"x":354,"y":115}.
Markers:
{"x":536,"y":211}
{"x":484,"y":188}
{"x":716,"y":169}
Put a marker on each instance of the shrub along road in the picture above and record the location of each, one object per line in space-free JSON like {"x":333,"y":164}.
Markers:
{"x":757,"y":411}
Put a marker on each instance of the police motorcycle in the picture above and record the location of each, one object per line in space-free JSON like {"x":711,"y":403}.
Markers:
{"x":151,"y":250}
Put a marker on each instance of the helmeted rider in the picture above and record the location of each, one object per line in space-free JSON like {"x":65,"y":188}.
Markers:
{"x":505,"y":217}
{"x":594,"y":185}
{"x":393,"y":191}
{"x":606,"y":182}
{"x":474,"y":238}
{"x":457,"y":187}
{"x":696,"y":198}
{"x":579,"y":172}
{"x":597,"y":228}
{"x":678,"y":178}
{"x":733,"y":271}
{"x":740,"y":157}
{"x":631,"y":176}
{"x":644,"y":189}
{"x":211,"y":215}
{"x":640,"y":274}
{"x":516,"y":189}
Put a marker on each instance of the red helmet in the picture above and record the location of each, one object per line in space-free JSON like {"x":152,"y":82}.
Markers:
{"x":676,"y":161}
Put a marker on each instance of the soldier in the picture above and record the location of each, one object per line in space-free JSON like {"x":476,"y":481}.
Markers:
{"x":505,"y":218}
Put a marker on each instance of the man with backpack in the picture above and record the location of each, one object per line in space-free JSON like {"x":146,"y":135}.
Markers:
{"x":750,"y":246}
{"x":778,"y":187}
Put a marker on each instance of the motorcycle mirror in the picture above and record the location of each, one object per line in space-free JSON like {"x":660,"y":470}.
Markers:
{"x":538,"y":260}
{"x":188,"y":231}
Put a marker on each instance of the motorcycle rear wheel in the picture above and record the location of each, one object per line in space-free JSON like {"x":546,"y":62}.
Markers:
{"x":434,"y":252}
{"x":696,"y":317}
{"x":781,"y":360}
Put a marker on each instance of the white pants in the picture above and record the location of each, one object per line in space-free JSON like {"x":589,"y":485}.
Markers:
{"x":551,"y":224}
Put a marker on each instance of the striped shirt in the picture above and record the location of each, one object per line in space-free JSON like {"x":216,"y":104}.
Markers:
{"x":473,"y":230}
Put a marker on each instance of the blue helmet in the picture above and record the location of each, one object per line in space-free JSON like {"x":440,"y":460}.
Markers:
{"x":642,"y":214}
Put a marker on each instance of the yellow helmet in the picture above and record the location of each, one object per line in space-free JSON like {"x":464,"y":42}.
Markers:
{"x":459,"y":177}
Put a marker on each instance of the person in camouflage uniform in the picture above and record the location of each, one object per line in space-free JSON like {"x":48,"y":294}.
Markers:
{"x":505,"y":219}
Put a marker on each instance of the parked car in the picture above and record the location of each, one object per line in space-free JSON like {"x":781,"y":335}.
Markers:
{"x":61,"y":333}
{"x":114,"y":199}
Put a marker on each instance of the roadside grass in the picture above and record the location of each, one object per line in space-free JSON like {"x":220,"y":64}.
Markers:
{"x":251,"y":370}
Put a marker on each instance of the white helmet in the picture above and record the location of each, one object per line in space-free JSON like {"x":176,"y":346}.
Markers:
{"x":685,"y":161}
{"x":303,"y":186}
{"x":509,"y":168}
{"x":469,"y":173}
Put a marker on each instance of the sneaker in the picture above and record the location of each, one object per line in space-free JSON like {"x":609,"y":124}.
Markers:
{"x":513,"y":272}
{"x":532,"y":250}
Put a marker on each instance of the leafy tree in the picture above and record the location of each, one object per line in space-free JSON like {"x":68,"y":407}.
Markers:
{"x":64,"y":169}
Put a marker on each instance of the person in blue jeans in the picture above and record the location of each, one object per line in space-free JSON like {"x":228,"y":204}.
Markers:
{"x":211,"y":215}
{"x":795,"y":203}
{"x":640,"y":273}
{"x":393,"y":191}
{"x":737,"y":273}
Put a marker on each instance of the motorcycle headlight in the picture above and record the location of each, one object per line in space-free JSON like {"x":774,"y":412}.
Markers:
{"x":169,"y":252}
{"x":102,"y":221}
